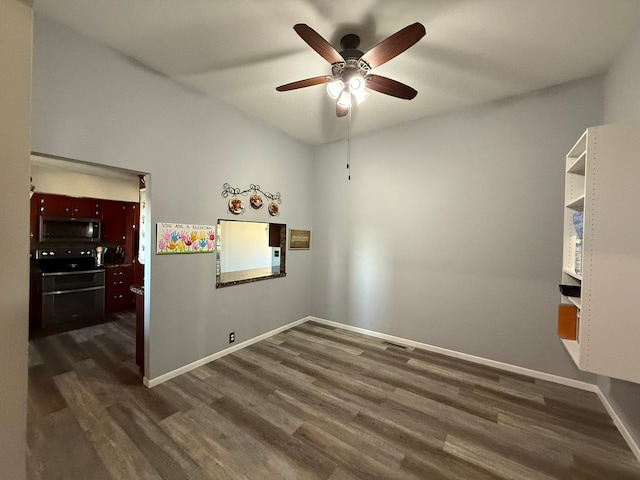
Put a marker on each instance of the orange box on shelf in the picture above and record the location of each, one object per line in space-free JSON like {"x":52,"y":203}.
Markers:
{"x":568,"y":322}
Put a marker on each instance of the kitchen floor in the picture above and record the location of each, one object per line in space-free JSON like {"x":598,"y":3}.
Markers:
{"x":313,"y":402}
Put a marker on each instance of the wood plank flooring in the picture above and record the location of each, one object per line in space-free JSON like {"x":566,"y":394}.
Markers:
{"x":313,"y":402}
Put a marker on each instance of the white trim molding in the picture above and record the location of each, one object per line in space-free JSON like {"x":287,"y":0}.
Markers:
{"x":198,"y":363}
{"x":622,"y":428}
{"x":464,"y":356}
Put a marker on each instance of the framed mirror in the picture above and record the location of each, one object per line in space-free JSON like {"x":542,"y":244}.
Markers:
{"x":249,"y":252}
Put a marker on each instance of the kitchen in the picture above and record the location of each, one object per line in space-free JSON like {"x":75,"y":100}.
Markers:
{"x":84,"y":246}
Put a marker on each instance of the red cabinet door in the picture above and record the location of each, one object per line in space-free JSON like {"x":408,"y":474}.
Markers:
{"x":34,"y":216}
{"x":51,"y":205}
{"x":86,"y":208}
{"x":131,"y":232}
{"x":113,"y":222}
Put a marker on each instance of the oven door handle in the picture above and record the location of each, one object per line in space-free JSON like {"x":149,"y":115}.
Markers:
{"x":59,"y":292}
{"x":72,"y":272}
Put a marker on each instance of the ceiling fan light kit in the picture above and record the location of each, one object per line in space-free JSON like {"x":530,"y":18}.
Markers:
{"x":350,"y":68}
{"x":356,"y":84}
{"x":335,"y":88}
{"x":356,"y":88}
{"x":344,"y":100}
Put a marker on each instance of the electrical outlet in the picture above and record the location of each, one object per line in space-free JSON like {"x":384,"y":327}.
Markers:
{"x":232,"y":337}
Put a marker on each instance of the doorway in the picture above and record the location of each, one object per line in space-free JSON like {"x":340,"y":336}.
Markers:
{"x":112,"y":200}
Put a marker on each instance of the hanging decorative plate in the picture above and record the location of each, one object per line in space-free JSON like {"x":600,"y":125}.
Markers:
{"x":274,"y":209}
{"x":256,"y":201}
{"x":235,"y":206}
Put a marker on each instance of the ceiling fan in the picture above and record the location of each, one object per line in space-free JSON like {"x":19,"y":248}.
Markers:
{"x":351,"y":68}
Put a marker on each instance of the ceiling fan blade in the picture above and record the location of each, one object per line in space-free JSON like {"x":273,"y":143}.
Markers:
{"x":394,"y":45}
{"x":341,"y":111}
{"x":307,"y":82}
{"x":318,"y":43}
{"x":390,"y":87}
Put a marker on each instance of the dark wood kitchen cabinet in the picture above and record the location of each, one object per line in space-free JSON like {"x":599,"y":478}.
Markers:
{"x":120,"y":226}
{"x":118,"y":295}
{"x":34,"y":216}
{"x":63,"y":206}
{"x":114,"y":227}
{"x":132,"y":220}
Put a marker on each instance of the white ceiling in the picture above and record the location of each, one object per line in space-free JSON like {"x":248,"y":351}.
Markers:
{"x":474,"y":51}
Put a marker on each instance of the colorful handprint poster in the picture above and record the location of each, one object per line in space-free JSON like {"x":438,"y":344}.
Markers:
{"x":185,"y":238}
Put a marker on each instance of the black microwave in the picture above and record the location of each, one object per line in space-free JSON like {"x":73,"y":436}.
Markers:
{"x":70,"y":230}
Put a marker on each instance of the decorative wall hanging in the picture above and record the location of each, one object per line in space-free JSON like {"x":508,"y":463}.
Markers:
{"x":256,"y":201}
{"x":184,"y":238}
{"x":299,"y":239}
{"x":274,"y":209}
{"x":236,"y":205}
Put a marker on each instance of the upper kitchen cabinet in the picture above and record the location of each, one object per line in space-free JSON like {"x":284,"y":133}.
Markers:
{"x":114,"y":225}
{"x":120,"y":225}
{"x":132,"y":224}
{"x":86,"y":208}
{"x":64,"y":206}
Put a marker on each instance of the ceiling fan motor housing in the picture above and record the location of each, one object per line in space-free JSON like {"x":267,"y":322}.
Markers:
{"x":352,"y":56}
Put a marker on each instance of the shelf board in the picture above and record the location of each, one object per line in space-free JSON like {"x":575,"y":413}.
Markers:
{"x":576,"y":204}
{"x":577,"y":301}
{"x":573,"y":274}
{"x":579,"y":148}
{"x":578,"y":167}
{"x":573,"y":347}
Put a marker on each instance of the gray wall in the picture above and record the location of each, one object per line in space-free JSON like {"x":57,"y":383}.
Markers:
{"x":15,"y":86}
{"x":622,"y":102}
{"x":93,"y":104}
{"x":621,"y":95}
{"x":450,"y":231}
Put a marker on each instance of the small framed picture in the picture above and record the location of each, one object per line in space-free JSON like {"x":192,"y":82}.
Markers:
{"x":299,"y":239}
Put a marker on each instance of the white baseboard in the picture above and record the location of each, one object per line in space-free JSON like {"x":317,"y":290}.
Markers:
{"x":464,"y":356}
{"x":198,"y":363}
{"x":635,"y":449}
{"x":412,"y":343}
{"x":624,"y":431}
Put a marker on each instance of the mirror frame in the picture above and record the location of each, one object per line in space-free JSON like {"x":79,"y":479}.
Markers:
{"x":283,"y":248}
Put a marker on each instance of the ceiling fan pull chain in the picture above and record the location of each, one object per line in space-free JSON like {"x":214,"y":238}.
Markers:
{"x":349,"y":147}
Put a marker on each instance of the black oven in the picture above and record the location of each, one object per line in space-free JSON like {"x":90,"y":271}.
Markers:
{"x":72,"y":287}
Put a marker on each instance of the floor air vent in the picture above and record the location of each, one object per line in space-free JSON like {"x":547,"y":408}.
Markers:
{"x":394,"y":344}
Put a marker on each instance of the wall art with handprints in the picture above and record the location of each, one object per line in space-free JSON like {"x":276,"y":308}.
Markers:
{"x":185,"y":238}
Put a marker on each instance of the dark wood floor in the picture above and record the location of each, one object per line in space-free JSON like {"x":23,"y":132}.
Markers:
{"x":313,"y":402}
